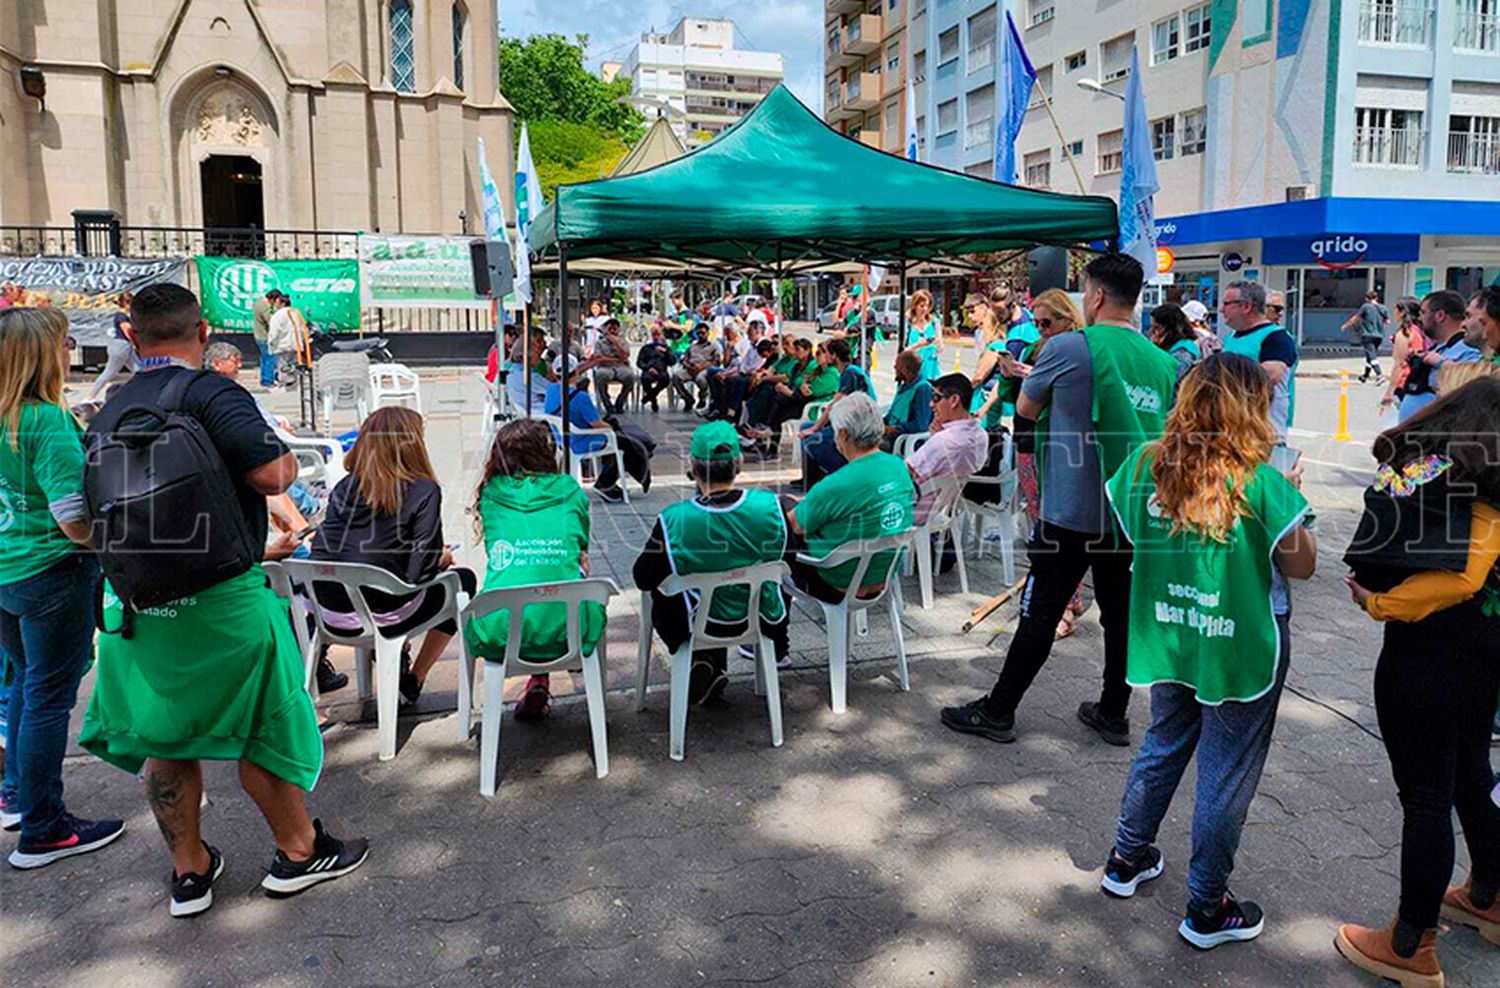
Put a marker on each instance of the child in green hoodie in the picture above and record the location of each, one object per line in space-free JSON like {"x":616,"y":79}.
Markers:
{"x":535,"y":525}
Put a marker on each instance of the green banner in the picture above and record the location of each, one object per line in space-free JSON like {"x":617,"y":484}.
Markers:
{"x":326,"y":292}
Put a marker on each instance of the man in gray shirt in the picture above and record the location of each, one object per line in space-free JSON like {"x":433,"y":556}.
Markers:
{"x":260,"y":317}
{"x":1371,"y":318}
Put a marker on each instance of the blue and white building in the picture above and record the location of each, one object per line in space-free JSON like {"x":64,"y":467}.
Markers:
{"x":1324,"y":147}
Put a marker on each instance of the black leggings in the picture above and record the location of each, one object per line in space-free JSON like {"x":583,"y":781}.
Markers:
{"x":670,"y":620}
{"x":1435,"y":686}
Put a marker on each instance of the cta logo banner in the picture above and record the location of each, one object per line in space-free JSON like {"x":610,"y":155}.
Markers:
{"x":325,"y":291}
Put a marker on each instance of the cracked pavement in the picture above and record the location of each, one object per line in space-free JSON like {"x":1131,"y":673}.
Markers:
{"x":873,"y":849}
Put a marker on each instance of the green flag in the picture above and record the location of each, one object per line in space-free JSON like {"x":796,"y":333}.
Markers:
{"x":326,"y":291}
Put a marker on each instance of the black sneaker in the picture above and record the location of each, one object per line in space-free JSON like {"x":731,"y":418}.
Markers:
{"x":1121,"y":877}
{"x":975,"y":718}
{"x":331,"y":858}
{"x":1114,"y":730}
{"x":611,"y":494}
{"x":706,"y":683}
{"x":329,"y":678}
{"x":411,"y":688}
{"x":1231,"y":921}
{"x":646,"y":481}
{"x":193,"y":893}
{"x":75,"y":837}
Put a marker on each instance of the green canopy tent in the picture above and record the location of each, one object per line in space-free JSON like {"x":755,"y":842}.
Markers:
{"x":784,"y":192}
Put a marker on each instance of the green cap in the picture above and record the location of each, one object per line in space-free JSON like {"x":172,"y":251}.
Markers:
{"x":715,"y":441}
{"x":857,"y":290}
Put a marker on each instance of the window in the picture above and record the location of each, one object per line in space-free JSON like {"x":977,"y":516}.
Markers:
{"x":460,"y":30}
{"x":1042,"y":91}
{"x":980,"y":169}
{"x":1196,"y":29}
{"x":1255,"y":22}
{"x":1474,"y":145}
{"x":947,"y":116}
{"x":1478,"y":27}
{"x":1076,"y":149}
{"x":1164,"y":39}
{"x":1193,"y":132}
{"x":1394,"y":22}
{"x":1114,"y":57}
{"x":1388,"y":138}
{"x":979,"y":107}
{"x":919,"y":67}
{"x":948,"y":45}
{"x":982,"y":40}
{"x":893,"y":57}
{"x":1163,"y":135}
{"x":832,"y":98}
{"x":1076,"y":61}
{"x":893,"y":117}
{"x":1111,"y":153}
{"x":1041,"y":11}
{"x":1038,"y":169}
{"x":403,"y":57}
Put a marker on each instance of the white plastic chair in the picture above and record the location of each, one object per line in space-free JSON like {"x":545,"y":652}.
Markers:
{"x":282,"y":584}
{"x":571,"y":593}
{"x":609,"y":450}
{"x":703,"y":586}
{"x":909,"y":443}
{"x":1005,"y":512}
{"x":319,"y":459}
{"x":371,"y":643}
{"x":928,"y":537}
{"x":841,"y":617}
{"x":791,"y":429}
{"x":343,"y":381}
{"x":395,"y":384}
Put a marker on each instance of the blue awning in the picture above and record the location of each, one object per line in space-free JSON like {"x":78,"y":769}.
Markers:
{"x":1334,"y":217}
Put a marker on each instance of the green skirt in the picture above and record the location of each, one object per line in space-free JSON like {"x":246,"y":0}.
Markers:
{"x":214,"y":676}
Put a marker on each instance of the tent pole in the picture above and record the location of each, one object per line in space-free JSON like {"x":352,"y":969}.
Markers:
{"x":562,"y":282}
{"x":901,"y":339}
{"x":525,"y":354}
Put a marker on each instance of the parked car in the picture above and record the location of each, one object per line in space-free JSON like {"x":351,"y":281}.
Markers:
{"x":886,"y":310}
{"x":827,"y":316}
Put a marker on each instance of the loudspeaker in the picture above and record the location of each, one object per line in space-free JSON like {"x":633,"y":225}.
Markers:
{"x":1048,"y":267}
{"x":494,"y":271}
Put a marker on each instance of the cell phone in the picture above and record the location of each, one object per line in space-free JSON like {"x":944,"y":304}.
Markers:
{"x":299,"y":536}
{"x":1285,"y":459}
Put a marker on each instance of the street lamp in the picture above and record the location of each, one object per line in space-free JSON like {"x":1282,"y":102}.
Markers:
{"x":1095,"y":86}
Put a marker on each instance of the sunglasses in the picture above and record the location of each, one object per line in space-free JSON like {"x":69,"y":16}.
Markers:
{"x":941,"y":396}
{"x":1044,"y":323}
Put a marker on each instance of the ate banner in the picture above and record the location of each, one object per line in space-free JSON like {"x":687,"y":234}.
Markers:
{"x":85,"y":288}
{"x":398,"y":270}
{"x":326,"y":292}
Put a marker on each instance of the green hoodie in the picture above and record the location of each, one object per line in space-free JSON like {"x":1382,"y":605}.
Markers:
{"x":536,"y":527}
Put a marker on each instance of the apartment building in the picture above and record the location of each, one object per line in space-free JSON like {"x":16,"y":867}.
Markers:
{"x":864,"y":70}
{"x":1324,"y":146}
{"x":697,"y":70}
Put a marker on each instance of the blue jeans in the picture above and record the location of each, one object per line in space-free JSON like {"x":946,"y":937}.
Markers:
{"x":821,"y":450}
{"x":1231,"y":740}
{"x":8,"y":797}
{"x":267,"y":364}
{"x":47,"y":628}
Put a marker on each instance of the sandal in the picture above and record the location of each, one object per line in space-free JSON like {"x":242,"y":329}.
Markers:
{"x":1066,"y":626}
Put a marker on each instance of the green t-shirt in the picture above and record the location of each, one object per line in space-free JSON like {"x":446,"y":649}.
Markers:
{"x":43,"y":472}
{"x":1201,"y":611}
{"x":822,"y":382}
{"x":867,"y":498}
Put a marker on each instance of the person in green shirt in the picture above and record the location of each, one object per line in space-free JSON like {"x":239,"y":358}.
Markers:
{"x":46,"y":583}
{"x":870,"y":497}
{"x":820,"y":454}
{"x":724,"y":527}
{"x":535,"y":525}
{"x":783,"y":381}
{"x":819,"y":381}
{"x":1211,"y":522}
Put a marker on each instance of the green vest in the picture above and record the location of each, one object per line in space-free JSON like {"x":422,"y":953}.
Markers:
{"x":900,"y":409}
{"x":705,"y":538}
{"x":1189,"y":346}
{"x":1249,"y":346}
{"x":1133,"y":383}
{"x":1200,"y":611}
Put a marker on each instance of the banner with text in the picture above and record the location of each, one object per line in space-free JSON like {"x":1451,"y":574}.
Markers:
{"x":325,"y":292}
{"x":85,"y":288}
{"x":417,"y":271}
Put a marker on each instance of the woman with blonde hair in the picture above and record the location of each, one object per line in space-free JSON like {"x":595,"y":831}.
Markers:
{"x":46,"y":583}
{"x":923,"y":334}
{"x":388,"y":512}
{"x":1213,"y":526}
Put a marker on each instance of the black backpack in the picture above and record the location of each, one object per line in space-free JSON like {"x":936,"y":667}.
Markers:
{"x":163,"y":513}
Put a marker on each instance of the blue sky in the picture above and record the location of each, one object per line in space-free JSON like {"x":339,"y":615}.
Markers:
{"x":792,"y":27}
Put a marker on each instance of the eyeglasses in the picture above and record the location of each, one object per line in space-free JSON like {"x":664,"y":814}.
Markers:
{"x":939,"y":397}
{"x":1235,"y":301}
{"x":1043,"y":323}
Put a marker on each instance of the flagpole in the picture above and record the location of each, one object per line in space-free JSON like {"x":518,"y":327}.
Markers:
{"x":1062,"y":138}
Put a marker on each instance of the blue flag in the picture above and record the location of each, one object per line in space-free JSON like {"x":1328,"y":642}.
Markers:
{"x":1012,"y":95}
{"x":1138,"y":185}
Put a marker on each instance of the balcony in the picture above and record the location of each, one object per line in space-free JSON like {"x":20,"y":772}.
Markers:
{"x":871,"y":138}
{"x":831,"y":7}
{"x":979,"y":133}
{"x":862,"y":91}
{"x":862,"y":34}
{"x":1477,"y":30}
{"x":1389,"y":147}
{"x":1474,"y":154}
{"x":1395,"y":23}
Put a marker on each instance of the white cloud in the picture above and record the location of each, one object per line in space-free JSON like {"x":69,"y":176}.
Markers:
{"x":792,"y":27}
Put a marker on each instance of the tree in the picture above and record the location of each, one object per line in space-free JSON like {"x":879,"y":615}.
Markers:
{"x":572,"y":152}
{"x":544,"y":78}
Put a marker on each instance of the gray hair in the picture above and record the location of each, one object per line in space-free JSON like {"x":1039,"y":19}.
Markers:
{"x":1251,"y":291}
{"x":215,"y":352}
{"x":857,"y":415}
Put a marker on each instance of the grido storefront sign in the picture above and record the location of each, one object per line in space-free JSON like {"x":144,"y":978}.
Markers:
{"x":1337,"y":251}
{"x":85,"y":288}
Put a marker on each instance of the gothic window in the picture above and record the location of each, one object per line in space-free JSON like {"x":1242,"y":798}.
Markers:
{"x":403,"y":49}
{"x":460,"y":30}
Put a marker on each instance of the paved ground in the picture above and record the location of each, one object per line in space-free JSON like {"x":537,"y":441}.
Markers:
{"x":873,"y":849}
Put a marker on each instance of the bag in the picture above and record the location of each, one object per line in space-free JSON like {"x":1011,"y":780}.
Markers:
{"x":142,"y":483}
{"x":1399,"y":536}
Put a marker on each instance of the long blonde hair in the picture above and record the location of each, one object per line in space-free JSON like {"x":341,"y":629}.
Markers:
{"x":1217,"y":435}
{"x":920,"y":295}
{"x":389,"y":454}
{"x":33,"y":363}
{"x":1057,"y":302}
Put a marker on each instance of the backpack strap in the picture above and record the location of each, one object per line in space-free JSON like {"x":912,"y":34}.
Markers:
{"x":176,"y":390}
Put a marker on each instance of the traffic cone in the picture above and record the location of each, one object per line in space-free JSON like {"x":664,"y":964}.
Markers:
{"x":874,"y":359}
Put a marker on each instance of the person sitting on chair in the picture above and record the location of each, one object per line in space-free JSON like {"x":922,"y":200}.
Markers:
{"x":702,"y":354}
{"x":822,"y":455}
{"x":611,"y":362}
{"x":634,"y":442}
{"x":541,"y":374}
{"x":723,"y":527}
{"x":654,"y":360}
{"x":911,"y":408}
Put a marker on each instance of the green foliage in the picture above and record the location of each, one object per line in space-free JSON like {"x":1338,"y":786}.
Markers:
{"x":572,"y":152}
{"x":544,"y":78}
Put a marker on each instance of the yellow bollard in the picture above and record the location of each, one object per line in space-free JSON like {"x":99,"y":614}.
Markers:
{"x":956,"y":368}
{"x":874,"y":359}
{"x":1342,"y":435}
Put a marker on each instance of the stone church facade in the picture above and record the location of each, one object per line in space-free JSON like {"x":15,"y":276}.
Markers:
{"x":278,"y":114}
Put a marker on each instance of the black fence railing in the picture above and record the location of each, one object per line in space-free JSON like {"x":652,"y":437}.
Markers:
{"x":175,"y":241}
